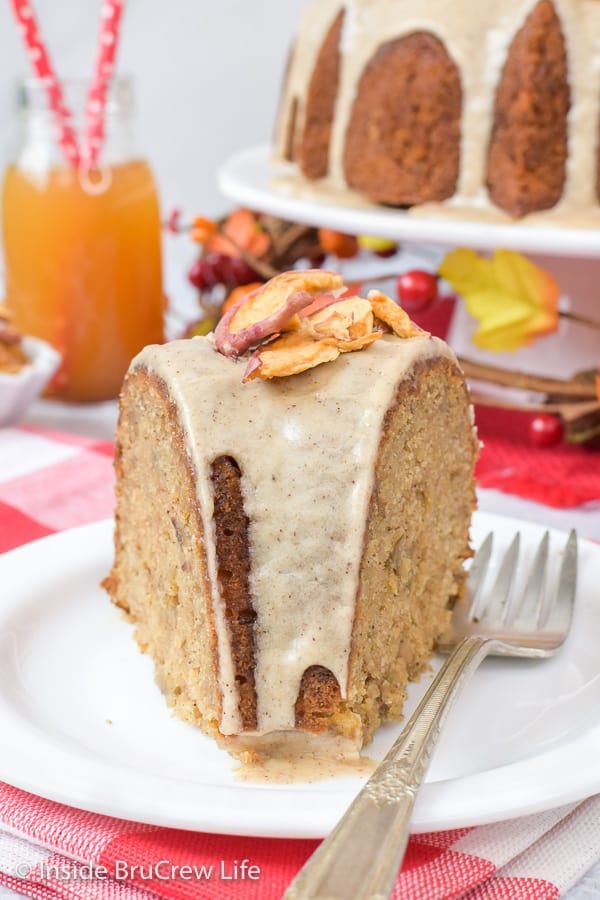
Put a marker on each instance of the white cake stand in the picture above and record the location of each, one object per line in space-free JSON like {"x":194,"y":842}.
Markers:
{"x":572,"y":255}
{"x":252,"y":180}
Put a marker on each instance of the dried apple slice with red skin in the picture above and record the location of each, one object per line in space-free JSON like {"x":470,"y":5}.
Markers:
{"x":297,"y":351}
{"x":289,"y":355}
{"x":322,"y":301}
{"x":235,"y":343}
{"x":271,"y":308}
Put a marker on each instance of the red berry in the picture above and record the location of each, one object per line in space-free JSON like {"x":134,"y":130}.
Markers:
{"x":316,"y":260}
{"x":219,"y":265}
{"x":389,"y":251}
{"x":545,"y":430}
{"x":232,"y":271}
{"x":344,"y":246}
{"x":202,"y":274}
{"x":196,"y":274}
{"x":416,"y":290}
{"x":242,"y":272}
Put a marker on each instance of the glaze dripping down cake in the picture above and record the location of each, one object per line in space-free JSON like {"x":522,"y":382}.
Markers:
{"x":469,"y":104}
{"x":289,"y":547}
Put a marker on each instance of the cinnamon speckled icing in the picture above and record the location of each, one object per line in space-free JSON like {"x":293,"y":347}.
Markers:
{"x":477,"y":36}
{"x":312,"y":437}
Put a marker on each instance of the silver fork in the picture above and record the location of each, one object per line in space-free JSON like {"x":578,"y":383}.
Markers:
{"x":361,"y":857}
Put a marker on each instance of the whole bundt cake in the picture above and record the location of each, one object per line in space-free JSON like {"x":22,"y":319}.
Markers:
{"x":466,"y":103}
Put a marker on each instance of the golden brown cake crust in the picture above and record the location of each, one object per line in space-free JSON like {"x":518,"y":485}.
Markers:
{"x":402,"y":142}
{"x":312,"y":150}
{"x":528,"y":146}
{"x":319,"y":698}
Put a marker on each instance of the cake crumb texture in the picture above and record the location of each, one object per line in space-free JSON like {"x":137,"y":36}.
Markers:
{"x":528,"y":145}
{"x":159,"y":576}
{"x":403,"y":139}
{"x":416,"y":540}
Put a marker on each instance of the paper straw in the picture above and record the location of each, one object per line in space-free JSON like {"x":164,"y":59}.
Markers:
{"x":44,"y":71}
{"x":112,"y":11}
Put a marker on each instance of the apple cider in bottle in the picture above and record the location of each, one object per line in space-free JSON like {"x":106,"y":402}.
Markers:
{"x":82,"y":250}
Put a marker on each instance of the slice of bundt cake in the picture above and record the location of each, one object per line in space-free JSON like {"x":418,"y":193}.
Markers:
{"x":289,"y":545}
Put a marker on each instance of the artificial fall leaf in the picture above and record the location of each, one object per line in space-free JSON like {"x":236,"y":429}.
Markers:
{"x":513,"y":300}
{"x":246,"y":233}
{"x":203,"y":229}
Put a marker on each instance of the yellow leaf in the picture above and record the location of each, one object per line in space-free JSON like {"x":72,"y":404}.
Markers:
{"x":513,"y":300}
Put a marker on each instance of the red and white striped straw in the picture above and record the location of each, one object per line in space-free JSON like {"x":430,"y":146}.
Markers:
{"x":44,"y":71}
{"x":112,"y":11}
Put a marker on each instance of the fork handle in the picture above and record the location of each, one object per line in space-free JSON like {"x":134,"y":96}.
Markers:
{"x":361,"y":857}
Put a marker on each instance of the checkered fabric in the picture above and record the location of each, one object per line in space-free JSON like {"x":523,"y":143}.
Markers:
{"x":52,"y":481}
{"x":52,"y":851}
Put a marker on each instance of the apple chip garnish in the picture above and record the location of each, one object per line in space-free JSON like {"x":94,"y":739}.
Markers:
{"x":387,"y":311}
{"x":298,"y":351}
{"x":271,"y":309}
{"x":345,"y":320}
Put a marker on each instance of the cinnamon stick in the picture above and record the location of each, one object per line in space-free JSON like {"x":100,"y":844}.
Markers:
{"x":525,"y":381}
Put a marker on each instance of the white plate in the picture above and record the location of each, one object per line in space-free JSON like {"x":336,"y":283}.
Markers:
{"x":250,"y":179}
{"x":82,"y":722}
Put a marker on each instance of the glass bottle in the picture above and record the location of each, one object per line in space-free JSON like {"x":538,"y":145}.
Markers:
{"x":82,"y":250}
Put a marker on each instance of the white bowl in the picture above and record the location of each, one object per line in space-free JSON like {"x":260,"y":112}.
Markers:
{"x":19,"y":389}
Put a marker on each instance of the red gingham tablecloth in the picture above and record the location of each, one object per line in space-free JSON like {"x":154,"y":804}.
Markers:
{"x":52,"y":481}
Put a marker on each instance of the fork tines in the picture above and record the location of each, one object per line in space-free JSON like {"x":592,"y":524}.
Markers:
{"x":535,"y":608}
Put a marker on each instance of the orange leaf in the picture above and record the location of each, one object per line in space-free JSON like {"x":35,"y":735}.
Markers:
{"x":203,"y":229}
{"x":344,"y":246}
{"x":245,"y":233}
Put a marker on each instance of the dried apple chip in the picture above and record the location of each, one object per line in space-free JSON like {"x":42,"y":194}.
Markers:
{"x":393,"y":315}
{"x":359,"y":343}
{"x":289,"y":355}
{"x":345,"y":320}
{"x":298,"y":351}
{"x":271,"y":308}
